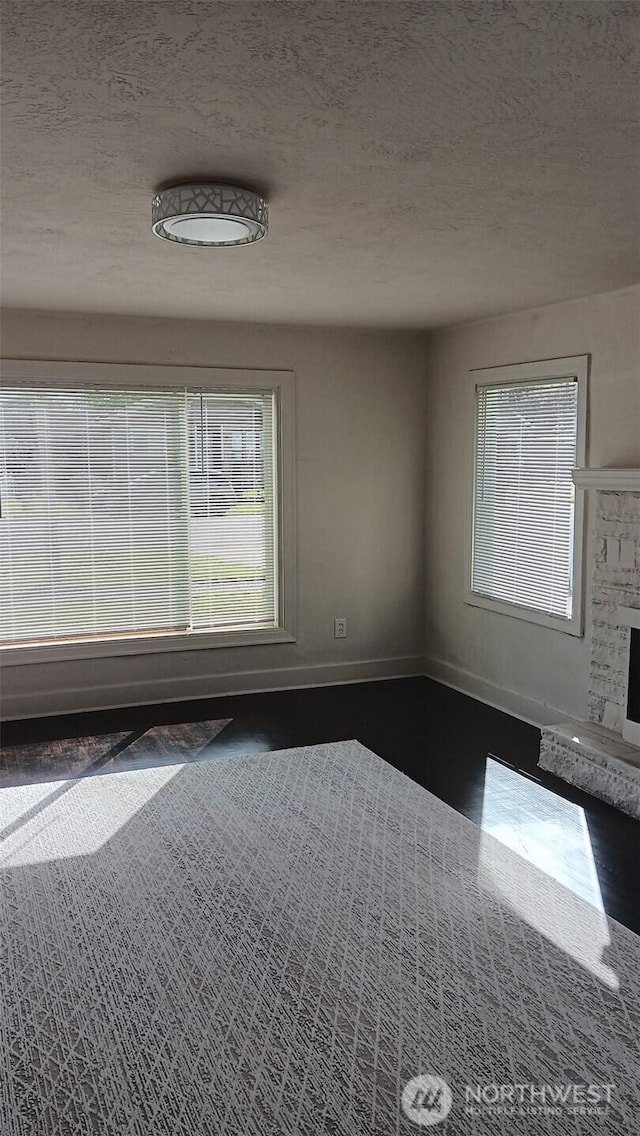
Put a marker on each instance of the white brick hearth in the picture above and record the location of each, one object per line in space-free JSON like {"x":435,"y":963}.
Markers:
{"x":593,"y":755}
{"x":595,"y":759}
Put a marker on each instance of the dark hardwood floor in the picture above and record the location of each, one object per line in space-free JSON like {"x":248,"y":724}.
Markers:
{"x":479,"y":760}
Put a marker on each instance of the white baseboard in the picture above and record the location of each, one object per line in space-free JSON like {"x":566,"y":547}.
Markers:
{"x":39,"y":704}
{"x":518,"y":705}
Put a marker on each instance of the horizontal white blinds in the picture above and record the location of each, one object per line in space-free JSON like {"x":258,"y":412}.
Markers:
{"x":526,"y":438}
{"x":130,"y":512}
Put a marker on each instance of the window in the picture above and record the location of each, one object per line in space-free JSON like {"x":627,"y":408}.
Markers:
{"x":526,"y":528}
{"x":126,"y":516}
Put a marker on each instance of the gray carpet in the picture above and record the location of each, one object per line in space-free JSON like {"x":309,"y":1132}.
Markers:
{"x":274,"y":945}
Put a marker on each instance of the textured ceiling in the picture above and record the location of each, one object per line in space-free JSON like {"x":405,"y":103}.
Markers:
{"x":425,"y":162}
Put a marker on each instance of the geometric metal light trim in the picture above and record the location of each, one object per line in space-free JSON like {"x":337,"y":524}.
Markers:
{"x":210,"y":201}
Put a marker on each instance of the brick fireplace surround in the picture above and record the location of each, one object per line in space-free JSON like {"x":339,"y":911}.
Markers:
{"x":593,"y":754}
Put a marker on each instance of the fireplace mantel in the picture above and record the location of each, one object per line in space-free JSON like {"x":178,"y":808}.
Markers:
{"x":614,"y":480}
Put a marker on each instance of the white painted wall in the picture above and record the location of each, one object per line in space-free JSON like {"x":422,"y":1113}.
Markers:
{"x":538,"y":673}
{"x":360,"y":489}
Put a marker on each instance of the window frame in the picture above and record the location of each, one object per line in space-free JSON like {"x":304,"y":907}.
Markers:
{"x":29,"y":373}
{"x":545,"y":370}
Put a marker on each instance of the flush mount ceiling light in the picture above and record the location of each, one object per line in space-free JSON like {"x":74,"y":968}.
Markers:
{"x":208,"y":215}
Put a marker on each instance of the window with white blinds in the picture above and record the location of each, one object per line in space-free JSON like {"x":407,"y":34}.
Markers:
{"x":136,"y":512}
{"x":524,"y":532}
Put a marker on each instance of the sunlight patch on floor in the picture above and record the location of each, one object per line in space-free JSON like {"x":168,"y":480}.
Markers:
{"x":552,"y":882}
{"x":72,"y":818}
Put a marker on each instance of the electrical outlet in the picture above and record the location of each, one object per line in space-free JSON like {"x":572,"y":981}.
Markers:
{"x":339,"y":629}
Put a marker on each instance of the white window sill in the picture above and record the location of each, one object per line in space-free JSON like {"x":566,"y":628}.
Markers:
{"x":143,"y":645}
{"x":529,"y":615}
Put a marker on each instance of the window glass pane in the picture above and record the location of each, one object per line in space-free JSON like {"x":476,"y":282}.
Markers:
{"x":526,"y":439}
{"x":233,"y":510}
